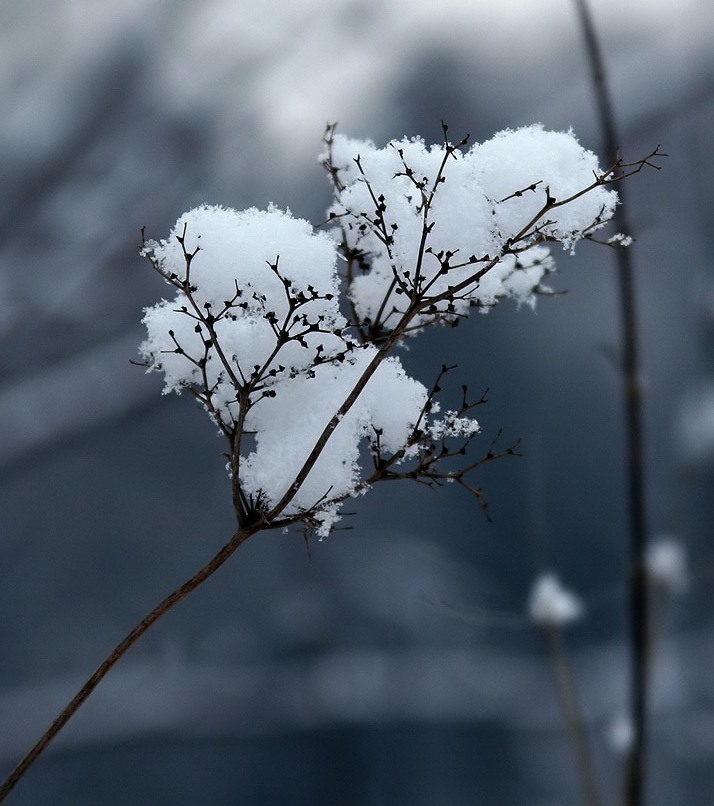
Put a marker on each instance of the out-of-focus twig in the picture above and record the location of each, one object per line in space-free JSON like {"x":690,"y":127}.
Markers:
{"x":573,"y":714}
{"x":630,"y":361}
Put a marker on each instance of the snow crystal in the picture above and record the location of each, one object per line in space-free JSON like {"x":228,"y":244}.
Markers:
{"x":621,"y":240}
{"x":451,"y":425}
{"x":552,"y":605}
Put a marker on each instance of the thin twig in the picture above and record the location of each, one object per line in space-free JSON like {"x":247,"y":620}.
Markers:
{"x":119,"y":651}
{"x":572,"y":711}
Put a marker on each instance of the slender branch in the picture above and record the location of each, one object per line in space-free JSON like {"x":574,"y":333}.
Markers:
{"x":119,"y":651}
{"x":638,"y":602}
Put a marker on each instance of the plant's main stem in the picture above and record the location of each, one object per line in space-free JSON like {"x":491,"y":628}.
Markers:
{"x":638,"y":601}
{"x":118,"y":652}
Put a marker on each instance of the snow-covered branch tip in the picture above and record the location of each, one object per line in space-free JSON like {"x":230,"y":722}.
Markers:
{"x":296,"y":362}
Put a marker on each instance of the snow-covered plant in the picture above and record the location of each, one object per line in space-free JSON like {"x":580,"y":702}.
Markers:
{"x":288,"y":336}
{"x":294,"y":360}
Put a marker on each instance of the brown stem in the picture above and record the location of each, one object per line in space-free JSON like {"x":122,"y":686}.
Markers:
{"x":119,"y":651}
{"x":638,"y":602}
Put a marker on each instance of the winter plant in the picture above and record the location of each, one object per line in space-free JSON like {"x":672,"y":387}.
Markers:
{"x":288,"y":336}
{"x":297,"y":378}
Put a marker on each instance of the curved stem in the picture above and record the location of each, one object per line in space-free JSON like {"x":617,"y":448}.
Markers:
{"x":119,"y":651}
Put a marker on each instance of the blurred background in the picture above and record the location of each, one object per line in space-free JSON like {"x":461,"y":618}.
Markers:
{"x":395,"y":664}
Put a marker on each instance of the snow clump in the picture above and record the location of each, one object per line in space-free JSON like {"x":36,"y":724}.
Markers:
{"x":283,"y":329}
{"x":482,"y":205}
{"x":255,"y":329}
{"x":552,"y":605}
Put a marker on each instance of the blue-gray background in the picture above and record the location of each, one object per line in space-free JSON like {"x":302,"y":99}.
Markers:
{"x":394,"y":666}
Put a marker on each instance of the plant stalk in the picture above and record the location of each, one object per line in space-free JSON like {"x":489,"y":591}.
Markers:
{"x":633,"y":794}
{"x":118,"y":652}
{"x":570,"y":705}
